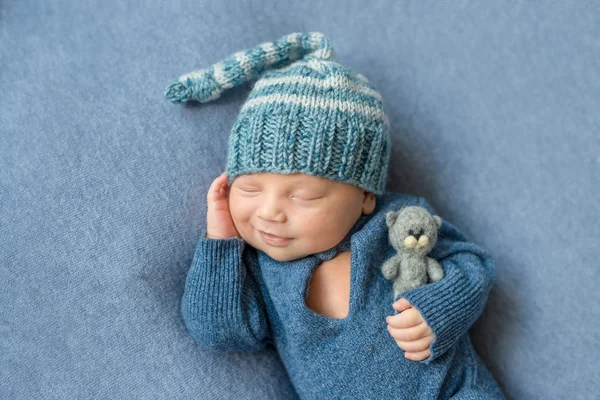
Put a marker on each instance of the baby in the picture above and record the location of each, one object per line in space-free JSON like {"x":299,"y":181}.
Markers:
{"x":296,"y":235}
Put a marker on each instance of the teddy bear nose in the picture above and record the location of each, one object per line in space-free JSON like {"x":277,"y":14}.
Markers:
{"x":417,"y":235}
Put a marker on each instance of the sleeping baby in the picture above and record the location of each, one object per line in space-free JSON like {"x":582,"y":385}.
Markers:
{"x":296,"y":236}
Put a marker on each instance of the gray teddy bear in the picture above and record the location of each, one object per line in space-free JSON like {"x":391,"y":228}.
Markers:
{"x":413,"y":233}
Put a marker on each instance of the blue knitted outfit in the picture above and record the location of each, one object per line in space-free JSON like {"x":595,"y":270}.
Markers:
{"x":316,"y":117}
{"x":237,"y":298}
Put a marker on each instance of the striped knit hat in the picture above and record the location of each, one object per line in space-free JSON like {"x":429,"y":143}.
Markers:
{"x":306,"y":113}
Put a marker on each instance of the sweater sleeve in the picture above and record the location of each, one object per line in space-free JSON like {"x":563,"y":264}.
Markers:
{"x":451,"y":305}
{"x":222,"y":306}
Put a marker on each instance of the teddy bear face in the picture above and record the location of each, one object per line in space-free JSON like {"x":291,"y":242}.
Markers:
{"x":413,"y":229}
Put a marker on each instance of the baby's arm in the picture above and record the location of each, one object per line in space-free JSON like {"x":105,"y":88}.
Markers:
{"x":451,"y":305}
{"x":222,"y":306}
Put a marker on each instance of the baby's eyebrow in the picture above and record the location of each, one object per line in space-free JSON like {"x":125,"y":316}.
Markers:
{"x":302,"y":184}
{"x":295,"y":184}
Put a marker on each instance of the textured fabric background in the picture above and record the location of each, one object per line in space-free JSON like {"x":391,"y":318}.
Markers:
{"x":494,"y":108}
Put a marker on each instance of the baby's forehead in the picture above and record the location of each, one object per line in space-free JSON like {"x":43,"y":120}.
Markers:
{"x":295,"y":179}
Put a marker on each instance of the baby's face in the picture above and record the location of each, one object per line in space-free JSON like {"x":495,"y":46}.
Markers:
{"x":311,"y":213}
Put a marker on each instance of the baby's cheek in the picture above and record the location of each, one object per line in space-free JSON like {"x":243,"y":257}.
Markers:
{"x":241,"y":218}
{"x":240,"y":210}
{"x":312,"y":223}
{"x":308,"y":225}
{"x":323,"y":231}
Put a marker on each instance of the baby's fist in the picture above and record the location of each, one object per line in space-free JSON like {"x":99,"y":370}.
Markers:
{"x":410,"y":331}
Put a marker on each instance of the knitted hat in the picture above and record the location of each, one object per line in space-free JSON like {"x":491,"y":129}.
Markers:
{"x":306,"y":113}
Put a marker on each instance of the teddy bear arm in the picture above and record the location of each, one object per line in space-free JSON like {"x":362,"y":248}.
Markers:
{"x":434,"y":269}
{"x":391,"y":268}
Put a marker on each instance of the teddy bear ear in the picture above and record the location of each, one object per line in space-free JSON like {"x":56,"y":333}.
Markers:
{"x":390,"y":218}
{"x":438,"y":221}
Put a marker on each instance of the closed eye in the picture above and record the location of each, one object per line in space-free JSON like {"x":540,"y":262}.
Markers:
{"x":305,"y":199}
{"x":248,"y":191}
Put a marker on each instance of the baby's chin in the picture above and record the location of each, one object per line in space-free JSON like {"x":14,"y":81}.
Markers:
{"x":282,"y":254}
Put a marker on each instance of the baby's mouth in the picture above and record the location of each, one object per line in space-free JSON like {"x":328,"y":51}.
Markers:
{"x":274,"y":240}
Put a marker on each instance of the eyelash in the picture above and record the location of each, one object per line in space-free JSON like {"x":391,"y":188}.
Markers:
{"x":316,"y":198}
{"x":294,"y":197}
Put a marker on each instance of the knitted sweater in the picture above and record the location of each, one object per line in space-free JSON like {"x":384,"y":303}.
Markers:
{"x":237,"y":298}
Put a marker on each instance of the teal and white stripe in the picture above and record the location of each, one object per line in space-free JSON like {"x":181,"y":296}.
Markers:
{"x":207,"y":84}
{"x":333,"y":82}
{"x":318,"y":102}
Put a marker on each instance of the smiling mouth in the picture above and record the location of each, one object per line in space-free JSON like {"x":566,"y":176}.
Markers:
{"x":274,"y":240}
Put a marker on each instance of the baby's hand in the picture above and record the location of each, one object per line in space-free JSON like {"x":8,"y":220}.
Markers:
{"x":410,"y":331}
{"x":219,"y":224}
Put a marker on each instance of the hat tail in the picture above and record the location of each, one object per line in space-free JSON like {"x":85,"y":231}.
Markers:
{"x":207,"y":84}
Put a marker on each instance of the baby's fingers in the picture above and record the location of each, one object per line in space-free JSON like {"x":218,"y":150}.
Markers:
{"x":218,"y":188}
{"x":416,"y":345}
{"x":420,"y":356}
{"x":405,"y":319}
{"x":409,"y":334}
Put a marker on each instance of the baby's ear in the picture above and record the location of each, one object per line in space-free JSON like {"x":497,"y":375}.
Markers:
{"x":438,"y":221}
{"x":390,"y":218}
